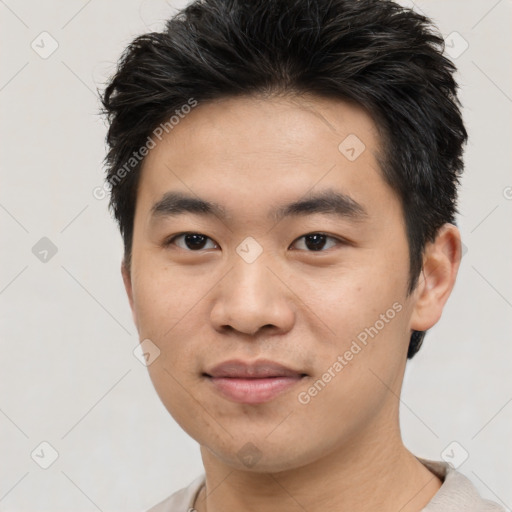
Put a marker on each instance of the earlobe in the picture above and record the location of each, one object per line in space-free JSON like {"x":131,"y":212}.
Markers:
{"x":441,"y":262}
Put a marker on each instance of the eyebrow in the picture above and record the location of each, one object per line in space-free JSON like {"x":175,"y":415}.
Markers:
{"x":327,"y":202}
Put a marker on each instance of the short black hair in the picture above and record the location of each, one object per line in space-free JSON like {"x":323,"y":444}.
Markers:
{"x":384,"y":57}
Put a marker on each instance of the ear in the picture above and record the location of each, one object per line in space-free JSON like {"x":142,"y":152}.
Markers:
{"x":441,"y":262}
{"x":127,"y":280}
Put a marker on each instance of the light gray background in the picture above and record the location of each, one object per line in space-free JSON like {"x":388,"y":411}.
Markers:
{"x":67,"y":372}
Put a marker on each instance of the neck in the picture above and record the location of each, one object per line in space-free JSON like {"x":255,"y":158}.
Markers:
{"x":366,"y":475}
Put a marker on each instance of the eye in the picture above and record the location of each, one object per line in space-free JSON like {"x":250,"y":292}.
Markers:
{"x":191,"y":241}
{"x":317,"y":241}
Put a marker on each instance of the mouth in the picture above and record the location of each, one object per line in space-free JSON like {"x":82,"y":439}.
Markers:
{"x":252,"y":383}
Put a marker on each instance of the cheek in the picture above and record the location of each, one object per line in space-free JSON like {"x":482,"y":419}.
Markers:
{"x":345,"y":301}
{"x":358,"y":376}
{"x":164,"y":296}
{"x":171,"y":304}
{"x":168,"y":303}
{"x":363,"y":317}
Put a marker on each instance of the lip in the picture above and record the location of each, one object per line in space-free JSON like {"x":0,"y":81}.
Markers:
{"x":252,"y":382}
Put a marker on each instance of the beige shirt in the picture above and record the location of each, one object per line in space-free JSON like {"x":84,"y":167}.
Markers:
{"x":456,"y":494}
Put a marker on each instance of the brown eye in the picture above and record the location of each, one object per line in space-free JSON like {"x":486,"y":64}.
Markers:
{"x":191,"y":241}
{"x":316,"y":242}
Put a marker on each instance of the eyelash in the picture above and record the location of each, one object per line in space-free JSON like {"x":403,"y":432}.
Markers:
{"x":339,"y":241}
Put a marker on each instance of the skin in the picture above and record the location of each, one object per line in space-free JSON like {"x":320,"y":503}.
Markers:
{"x":303,"y":308}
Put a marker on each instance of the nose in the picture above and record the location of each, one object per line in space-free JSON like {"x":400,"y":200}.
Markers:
{"x":252,"y":297}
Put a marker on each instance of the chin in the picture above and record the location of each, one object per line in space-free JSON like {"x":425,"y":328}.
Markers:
{"x":261,"y":457}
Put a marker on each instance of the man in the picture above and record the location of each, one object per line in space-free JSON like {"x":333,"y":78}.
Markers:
{"x":284,"y":174}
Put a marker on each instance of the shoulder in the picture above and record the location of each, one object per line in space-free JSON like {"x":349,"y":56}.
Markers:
{"x":457,"y":492}
{"x":182,"y":500}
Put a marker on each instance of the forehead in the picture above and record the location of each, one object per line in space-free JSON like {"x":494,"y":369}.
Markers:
{"x":290,"y":122}
{"x":254,"y":149}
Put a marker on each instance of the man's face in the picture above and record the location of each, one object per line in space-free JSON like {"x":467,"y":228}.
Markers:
{"x":251,"y":286}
